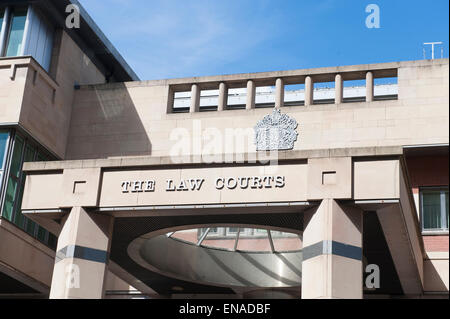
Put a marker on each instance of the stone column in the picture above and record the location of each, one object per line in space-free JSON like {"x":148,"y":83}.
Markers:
{"x":251,"y":95}
{"x":339,"y":89}
{"x":279,"y":93}
{"x":223,"y":97}
{"x":309,"y":88}
{"x":82,"y":256}
{"x":369,"y":87}
{"x":195,"y":99}
{"x":332,"y":252}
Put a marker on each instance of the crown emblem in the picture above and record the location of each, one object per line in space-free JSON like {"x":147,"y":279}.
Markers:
{"x":275,"y":132}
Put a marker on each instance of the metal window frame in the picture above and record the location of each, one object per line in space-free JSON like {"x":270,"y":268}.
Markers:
{"x":18,"y":179}
{"x":5,"y":169}
{"x":9,"y":26}
{"x":444,"y":226}
{"x":13,"y":134}
{"x":4,"y":29}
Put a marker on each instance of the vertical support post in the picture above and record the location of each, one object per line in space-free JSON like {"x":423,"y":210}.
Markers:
{"x":251,"y":95}
{"x":279,"y":93}
{"x":82,"y":256}
{"x":26,"y":31}
{"x":339,"y":89}
{"x":309,"y":91}
{"x":3,"y":29}
{"x":369,"y":87}
{"x":223,"y":97}
{"x":332,"y":252}
{"x":195,"y":98}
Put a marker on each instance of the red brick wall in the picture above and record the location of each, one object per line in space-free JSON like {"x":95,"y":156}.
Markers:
{"x":436,"y":243}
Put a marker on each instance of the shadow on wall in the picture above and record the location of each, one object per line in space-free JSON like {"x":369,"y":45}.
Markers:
{"x":105,"y":124}
{"x":433,"y":281}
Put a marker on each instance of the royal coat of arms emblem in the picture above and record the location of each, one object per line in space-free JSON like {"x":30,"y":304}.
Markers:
{"x":276,"y":132}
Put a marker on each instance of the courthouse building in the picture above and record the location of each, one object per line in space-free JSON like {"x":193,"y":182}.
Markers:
{"x":310,"y":183}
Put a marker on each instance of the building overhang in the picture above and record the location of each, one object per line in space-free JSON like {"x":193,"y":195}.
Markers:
{"x":373,"y":179}
{"x":89,"y":37}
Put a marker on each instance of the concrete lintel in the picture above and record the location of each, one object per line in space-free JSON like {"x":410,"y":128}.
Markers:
{"x":148,"y":161}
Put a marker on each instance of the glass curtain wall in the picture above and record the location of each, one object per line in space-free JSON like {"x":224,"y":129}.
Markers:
{"x":25,"y":31}
{"x":13,"y":182}
{"x":17,"y":27}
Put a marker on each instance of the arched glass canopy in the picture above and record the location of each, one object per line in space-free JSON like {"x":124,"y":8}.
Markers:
{"x":240,"y":239}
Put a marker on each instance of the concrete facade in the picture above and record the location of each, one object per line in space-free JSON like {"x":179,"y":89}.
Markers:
{"x":129,"y":168}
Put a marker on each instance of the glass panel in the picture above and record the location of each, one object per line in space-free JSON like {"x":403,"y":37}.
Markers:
{"x":41,"y":234}
{"x":258,"y":242}
{"x":52,"y":241}
{"x":212,"y":240}
{"x":431,"y":209}
{"x":9,"y":199}
{"x":232,"y":230}
{"x":213,"y":231}
{"x":2,"y":14}
{"x":31,"y":225}
{"x":446,"y":207}
{"x":285,"y":241}
{"x":29,"y":154}
{"x":19,"y":218}
{"x":14,"y":46}
{"x":41,"y":157}
{"x":3,"y":140}
{"x":189,"y":235}
{"x":16,"y":163}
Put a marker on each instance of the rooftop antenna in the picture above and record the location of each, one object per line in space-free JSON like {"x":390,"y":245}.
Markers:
{"x":432,"y":49}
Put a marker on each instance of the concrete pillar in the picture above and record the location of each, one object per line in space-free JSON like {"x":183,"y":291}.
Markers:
{"x":369,"y":87}
{"x":82,"y":256}
{"x":309,"y":88}
{"x":339,"y":89}
{"x":332,"y":252}
{"x":223,"y":97}
{"x":195,"y":99}
{"x":251,"y":95}
{"x":279,"y":93}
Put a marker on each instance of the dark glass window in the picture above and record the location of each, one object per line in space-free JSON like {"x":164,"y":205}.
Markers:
{"x":22,"y":151}
{"x":435,"y":207}
{"x":2,"y":15}
{"x":4,"y":138}
{"x":13,"y":180}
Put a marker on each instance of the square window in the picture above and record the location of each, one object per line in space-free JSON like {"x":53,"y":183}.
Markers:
{"x":434,"y":209}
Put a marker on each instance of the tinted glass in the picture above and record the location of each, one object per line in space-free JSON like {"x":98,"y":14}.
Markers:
{"x":9,"y":199}
{"x":446,"y":207}
{"x":3,"y":141}
{"x":2,"y":14}
{"x":14,"y":46}
{"x":431,"y":209}
{"x":16,"y":163}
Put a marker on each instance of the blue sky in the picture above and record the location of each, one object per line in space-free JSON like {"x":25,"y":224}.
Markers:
{"x":180,"y":38}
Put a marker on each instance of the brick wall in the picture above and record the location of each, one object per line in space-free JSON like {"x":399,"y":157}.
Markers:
{"x":426,"y":171}
{"x":436,"y":243}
